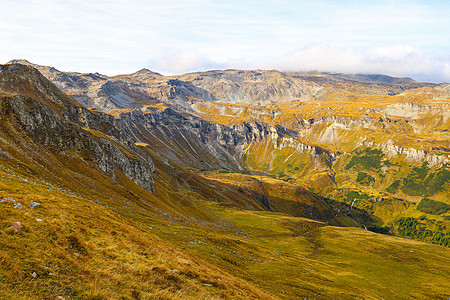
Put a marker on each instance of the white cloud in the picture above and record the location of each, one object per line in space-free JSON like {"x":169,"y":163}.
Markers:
{"x":397,"y":60}
{"x":181,"y":62}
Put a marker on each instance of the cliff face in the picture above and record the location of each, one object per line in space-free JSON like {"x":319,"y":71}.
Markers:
{"x":53,"y":120}
{"x":195,"y":142}
{"x":414,"y":155}
{"x":258,"y":87}
{"x":185,"y":139}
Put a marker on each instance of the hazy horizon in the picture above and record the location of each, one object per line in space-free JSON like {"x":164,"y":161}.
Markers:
{"x":218,"y":70}
{"x":391,"y":37}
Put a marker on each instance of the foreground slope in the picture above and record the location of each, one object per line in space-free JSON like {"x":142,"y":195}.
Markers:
{"x":94,"y":187}
{"x":70,"y":246}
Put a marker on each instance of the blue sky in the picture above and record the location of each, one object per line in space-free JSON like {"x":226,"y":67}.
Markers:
{"x":400,"y":38}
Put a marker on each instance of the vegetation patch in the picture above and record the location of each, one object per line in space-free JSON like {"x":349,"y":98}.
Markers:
{"x":410,"y":227}
{"x":367,"y":159}
{"x":423,"y":182}
{"x":433,"y":207}
{"x":365,"y":179}
{"x":354,"y":194}
{"x":393,"y":188}
{"x":379,"y":229}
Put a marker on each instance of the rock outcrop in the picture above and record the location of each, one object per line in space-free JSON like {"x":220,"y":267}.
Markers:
{"x":55,"y":121}
{"x":183,"y":135}
{"x":415,"y":155}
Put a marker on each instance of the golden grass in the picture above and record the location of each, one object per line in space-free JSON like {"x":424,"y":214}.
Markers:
{"x":84,"y":250}
{"x":298,"y":257}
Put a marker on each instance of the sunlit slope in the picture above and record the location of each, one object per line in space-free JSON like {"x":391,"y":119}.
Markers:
{"x":85,"y":249}
{"x":296,"y":258}
{"x":79,"y":248}
{"x":340,"y":120}
{"x":382,"y":153}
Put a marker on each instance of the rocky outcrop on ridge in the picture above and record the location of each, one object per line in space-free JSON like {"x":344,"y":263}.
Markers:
{"x":59,"y":123}
{"x":183,"y":135}
{"x":411,"y":154}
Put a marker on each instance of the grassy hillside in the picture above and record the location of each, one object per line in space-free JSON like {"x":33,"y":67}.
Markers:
{"x":87,"y":250}
{"x":76,"y":248}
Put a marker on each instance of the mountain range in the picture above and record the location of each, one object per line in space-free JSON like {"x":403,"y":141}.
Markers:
{"x":249,"y":184}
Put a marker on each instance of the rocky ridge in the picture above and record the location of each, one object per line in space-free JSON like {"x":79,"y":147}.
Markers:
{"x":255,"y":87}
{"x":61,"y":124}
{"x":414,"y":155}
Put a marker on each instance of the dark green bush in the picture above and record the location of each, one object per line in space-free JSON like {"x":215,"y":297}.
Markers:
{"x":433,"y":207}
{"x":393,"y":187}
{"x":364,"y":178}
{"x":410,"y":227}
{"x":367,"y":158}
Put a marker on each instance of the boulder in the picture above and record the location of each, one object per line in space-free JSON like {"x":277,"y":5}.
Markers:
{"x":16,"y":226}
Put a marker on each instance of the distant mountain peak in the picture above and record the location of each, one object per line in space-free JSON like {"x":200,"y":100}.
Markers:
{"x":20,"y":61}
{"x":25,"y":62}
{"x":146,"y":72}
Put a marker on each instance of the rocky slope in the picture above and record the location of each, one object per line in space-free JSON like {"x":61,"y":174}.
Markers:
{"x":254,"y":87}
{"x":34,"y":106}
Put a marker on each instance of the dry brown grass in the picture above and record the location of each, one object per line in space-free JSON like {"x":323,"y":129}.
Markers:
{"x":82,"y":250}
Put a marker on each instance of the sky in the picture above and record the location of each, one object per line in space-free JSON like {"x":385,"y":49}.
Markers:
{"x":393,"y":37}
